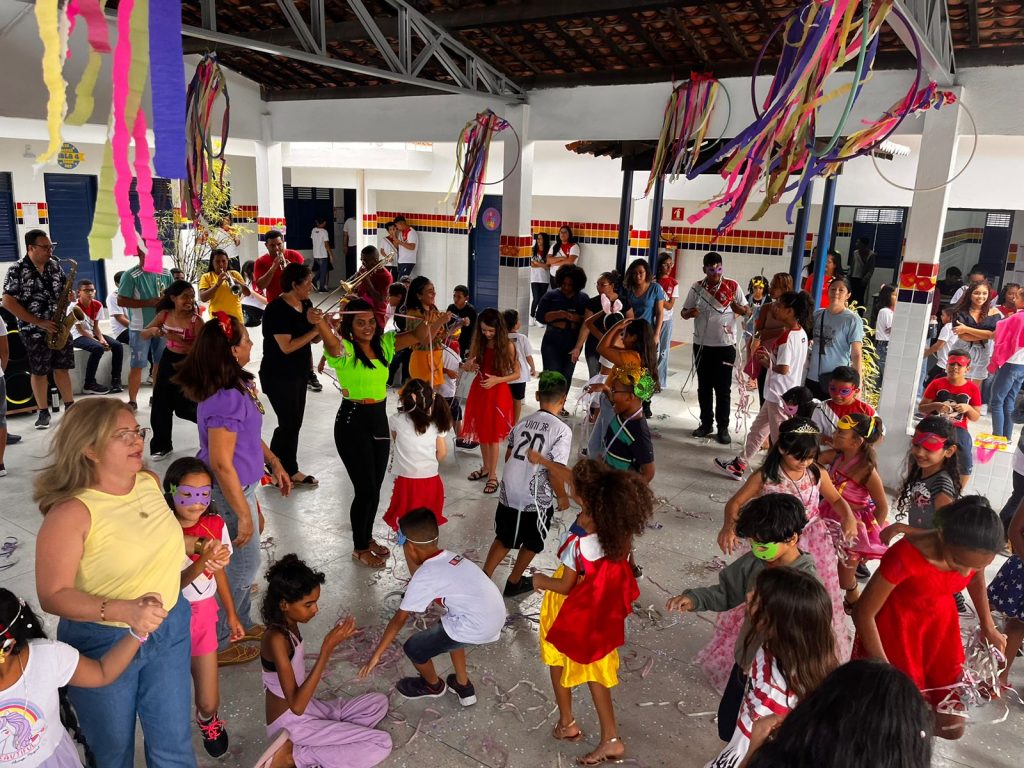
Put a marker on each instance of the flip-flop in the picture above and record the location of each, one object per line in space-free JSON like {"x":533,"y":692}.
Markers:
{"x":307,"y":482}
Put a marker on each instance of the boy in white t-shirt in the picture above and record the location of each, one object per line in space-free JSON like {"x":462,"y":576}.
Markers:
{"x":526,"y":501}
{"x":474,"y":612}
{"x":524,"y":354}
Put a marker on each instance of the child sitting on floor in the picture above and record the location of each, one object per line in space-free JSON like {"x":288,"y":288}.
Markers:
{"x":474,"y":612}
{"x":526,"y":502}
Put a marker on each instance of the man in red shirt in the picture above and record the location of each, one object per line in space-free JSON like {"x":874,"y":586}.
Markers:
{"x":374,"y":288}
{"x":959,"y":400}
{"x":267,"y":268}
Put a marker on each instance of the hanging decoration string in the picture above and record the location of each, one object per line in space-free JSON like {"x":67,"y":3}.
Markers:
{"x":819,"y":39}
{"x":688,"y":114}
{"x":471,"y":156}
{"x":208,"y":84}
{"x":54,"y":27}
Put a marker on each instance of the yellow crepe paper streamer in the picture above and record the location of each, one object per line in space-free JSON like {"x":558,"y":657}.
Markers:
{"x":85,"y":100}
{"x":53,"y":31}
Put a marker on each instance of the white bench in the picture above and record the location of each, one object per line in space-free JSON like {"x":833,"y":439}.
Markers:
{"x":102,"y":373}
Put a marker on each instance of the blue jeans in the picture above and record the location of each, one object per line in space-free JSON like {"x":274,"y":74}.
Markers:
{"x":320,"y":272}
{"x":145,"y":351}
{"x":596,"y":448}
{"x":157,"y":687}
{"x":96,"y":350}
{"x":1005,"y":385}
{"x":425,"y":645}
{"x":243,"y":566}
{"x":405,"y":269}
{"x":664,"y":347}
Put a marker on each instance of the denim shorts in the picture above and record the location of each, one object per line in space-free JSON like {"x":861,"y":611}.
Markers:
{"x":964,"y":450}
{"x":144,"y":349}
{"x":425,"y":645}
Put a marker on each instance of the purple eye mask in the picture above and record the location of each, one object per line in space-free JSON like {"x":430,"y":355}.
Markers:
{"x":187,"y":495}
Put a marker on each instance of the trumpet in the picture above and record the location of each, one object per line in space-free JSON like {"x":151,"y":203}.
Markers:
{"x":234,"y":285}
{"x":348,"y":287}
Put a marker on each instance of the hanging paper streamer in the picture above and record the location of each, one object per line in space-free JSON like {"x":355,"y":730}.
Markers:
{"x":688,"y":114}
{"x":99,"y":43}
{"x":471,"y":156}
{"x":53,"y":31}
{"x":167,"y":68}
{"x":207,"y":85}
{"x":820,"y":38}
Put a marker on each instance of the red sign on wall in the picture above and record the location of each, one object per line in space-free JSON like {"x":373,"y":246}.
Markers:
{"x":678,"y":214}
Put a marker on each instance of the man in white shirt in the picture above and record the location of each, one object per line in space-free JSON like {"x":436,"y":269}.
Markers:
{"x":714,"y":303}
{"x":976,"y":275}
{"x":118,"y":316}
{"x":408,"y":247}
{"x":349,"y":241}
{"x":223,"y":236}
{"x":323,"y":255}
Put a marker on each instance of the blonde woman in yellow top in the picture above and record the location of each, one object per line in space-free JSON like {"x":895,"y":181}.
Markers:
{"x":108,"y":563}
{"x":222,"y":287}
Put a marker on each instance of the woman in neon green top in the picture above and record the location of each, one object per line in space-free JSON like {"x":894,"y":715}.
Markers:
{"x":360,"y":358}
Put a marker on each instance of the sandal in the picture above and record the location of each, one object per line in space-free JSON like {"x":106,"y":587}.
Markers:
{"x":237,"y":654}
{"x":477,"y":474}
{"x":307,"y":482}
{"x":560,"y":732}
{"x":492,"y":485}
{"x":599,"y":756}
{"x":366,"y":558}
{"x":280,"y":746}
{"x":379,"y":549}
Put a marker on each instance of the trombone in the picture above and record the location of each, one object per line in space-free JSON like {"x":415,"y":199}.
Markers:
{"x":348,"y":287}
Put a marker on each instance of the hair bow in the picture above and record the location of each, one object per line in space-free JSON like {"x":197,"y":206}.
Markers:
{"x":610,"y":306}
{"x":224,"y":319}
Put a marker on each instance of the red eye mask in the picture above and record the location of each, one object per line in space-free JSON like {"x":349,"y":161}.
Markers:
{"x":929,"y":441}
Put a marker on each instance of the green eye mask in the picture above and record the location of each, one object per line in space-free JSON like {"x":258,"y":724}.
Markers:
{"x":768,"y":550}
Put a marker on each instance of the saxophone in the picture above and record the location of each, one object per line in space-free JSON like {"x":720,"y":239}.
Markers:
{"x":64,"y":320}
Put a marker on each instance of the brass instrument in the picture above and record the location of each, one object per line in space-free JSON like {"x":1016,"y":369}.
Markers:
{"x":348,"y":287}
{"x":61,"y":317}
{"x":234,"y":285}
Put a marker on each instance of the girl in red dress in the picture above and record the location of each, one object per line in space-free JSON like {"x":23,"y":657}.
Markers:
{"x":488,"y":418}
{"x":907,"y":615}
{"x":419,"y":431}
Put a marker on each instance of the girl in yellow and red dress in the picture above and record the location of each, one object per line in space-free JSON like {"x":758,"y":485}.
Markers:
{"x":419,"y":431}
{"x":586,"y":602}
{"x":488,"y":418}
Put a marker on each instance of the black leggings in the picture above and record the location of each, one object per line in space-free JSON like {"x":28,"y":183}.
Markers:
{"x":168,"y":401}
{"x":287,"y":395}
{"x":732,"y":700}
{"x":363,"y":439}
{"x":538,"y":290}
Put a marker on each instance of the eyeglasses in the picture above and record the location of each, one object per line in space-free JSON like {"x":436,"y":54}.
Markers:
{"x":835,"y":389}
{"x":129,"y":436}
{"x":49,"y":247}
{"x":929,"y":441}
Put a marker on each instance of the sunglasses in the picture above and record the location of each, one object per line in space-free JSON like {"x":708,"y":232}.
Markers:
{"x":929,"y":441}
{"x":835,"y":389}
{"x":847,"y":422}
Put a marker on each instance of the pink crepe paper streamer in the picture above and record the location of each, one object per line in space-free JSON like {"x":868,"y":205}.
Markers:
{"x":144,"y":188}
{"x":92,"y":12}
{"x":119,"y":142}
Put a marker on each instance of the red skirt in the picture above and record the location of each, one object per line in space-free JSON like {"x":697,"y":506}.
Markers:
{"x":412,"y":493}
{"x":488,"y":417}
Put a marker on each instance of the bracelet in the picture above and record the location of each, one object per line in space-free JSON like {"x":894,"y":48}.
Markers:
{"x":103,"y":610}
{"x":198,"y":548}
{"x":140,"y":638}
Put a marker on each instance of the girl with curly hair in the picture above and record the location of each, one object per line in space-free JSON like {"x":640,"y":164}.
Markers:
{"x":586,"y":602}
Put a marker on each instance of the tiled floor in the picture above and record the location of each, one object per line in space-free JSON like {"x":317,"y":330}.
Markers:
{"x":659,"y":712}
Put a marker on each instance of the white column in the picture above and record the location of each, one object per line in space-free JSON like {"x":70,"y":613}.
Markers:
{"x":516,"y":215}
{"x":270,"y":187}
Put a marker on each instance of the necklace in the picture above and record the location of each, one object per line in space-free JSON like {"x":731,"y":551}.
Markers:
{"x":805,"y":499}
{"x":250,"y":389}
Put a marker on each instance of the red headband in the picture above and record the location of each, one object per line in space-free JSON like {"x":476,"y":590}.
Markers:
{"x":224,"y":319}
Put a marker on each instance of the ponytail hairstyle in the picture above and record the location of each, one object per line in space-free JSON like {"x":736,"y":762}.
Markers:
{"x":171,"y":292}
{"x":802,"y":306}
{"x":288,"y":580}
{"x":620,"y":504}
{"x":971,"y":523}
{"x":424,"y":407}
{"x":937,"y":425}
{"x":504,"y":359}
{"x":644,"y":343}
{"x":798,"y":437}
{"x":869,"y":429}
{"x":802,"y":398}
{"x":791,"y":616}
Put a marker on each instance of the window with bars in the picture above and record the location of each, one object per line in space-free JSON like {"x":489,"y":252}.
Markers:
{"x":999,"y":219}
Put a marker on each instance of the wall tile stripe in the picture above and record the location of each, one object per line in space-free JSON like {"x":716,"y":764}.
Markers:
{"x":41,"y":211}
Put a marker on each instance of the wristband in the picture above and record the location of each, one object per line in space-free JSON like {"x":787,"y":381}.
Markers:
{"x":198,"y":548}
{"x":140,"y":638}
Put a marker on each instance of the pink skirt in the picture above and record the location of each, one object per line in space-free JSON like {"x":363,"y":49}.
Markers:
{"x":412,"y":493}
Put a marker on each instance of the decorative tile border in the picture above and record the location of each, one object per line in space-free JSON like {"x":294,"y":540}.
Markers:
{"x":422,"y":222}
{"x":266,"y":223}
{"x":917,"y":282}
{"x":957,"y":237}
{"x":41,"y":209}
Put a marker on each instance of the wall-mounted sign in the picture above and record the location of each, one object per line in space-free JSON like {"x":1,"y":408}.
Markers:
{"x":69,"y":157}
{"x":491,"y":219}
{"x":678,"y":214}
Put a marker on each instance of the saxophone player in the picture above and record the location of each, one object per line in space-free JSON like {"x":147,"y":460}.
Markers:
{"x":221,"y":287}
{"x":35,"y":289}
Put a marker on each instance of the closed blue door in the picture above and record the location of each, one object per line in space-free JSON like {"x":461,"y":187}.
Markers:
{"x":484,"y":253}
{"x":71,"y":200}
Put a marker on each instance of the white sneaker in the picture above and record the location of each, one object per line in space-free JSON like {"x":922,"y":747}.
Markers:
{"x":533,"y":322}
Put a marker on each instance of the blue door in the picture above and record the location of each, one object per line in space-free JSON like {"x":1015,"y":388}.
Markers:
{"x":71,"y":200}
{"x":484,"y":252}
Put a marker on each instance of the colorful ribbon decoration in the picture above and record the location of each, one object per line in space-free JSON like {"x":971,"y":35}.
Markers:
{"x":53,"y":31}
{"x":688,"y":113}
{"x":99,"y":43}
{"x":819,"y":39}
{"x":471,"y":156}
{"x":208,"y":83}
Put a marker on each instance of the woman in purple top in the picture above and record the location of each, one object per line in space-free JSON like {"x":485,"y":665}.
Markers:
{"x":230,"y":418}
